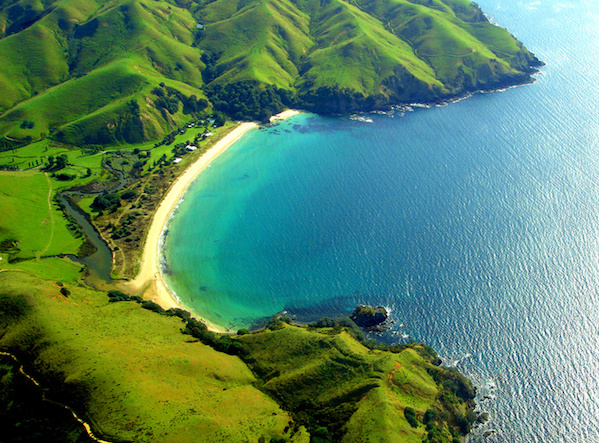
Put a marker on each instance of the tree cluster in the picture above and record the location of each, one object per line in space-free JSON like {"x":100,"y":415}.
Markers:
{"x":56,"y":164}
{"x":248,"y":99}
{"x":26,"y":124}
{"x":210,"y":72}
{"x":168,"y":99}
{"x":106,"y":201}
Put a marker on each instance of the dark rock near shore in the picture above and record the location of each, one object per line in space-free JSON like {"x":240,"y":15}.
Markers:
{"x":368,"y":317}
{"x":483,"y":418}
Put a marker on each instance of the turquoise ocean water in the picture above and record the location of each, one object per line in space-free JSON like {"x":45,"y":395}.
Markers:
{"x":476,"y":223}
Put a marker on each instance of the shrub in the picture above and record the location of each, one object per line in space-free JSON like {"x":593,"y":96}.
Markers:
{"x":410,"y":415}
{"x":64,"y":177}
{"x":151,"y":306}
{"x":430,"y":416}
{"x":105,"y":201}
{"x":324,"y":322}
{"x":129,"y":194}
{"x":116,"y":296}
{"x":181,"y":313}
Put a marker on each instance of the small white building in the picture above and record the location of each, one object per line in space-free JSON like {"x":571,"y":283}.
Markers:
{"x":207,"y":134}
{"x":191,"y":147}
{"x":177,"y":160}
{"x":200,"y":26}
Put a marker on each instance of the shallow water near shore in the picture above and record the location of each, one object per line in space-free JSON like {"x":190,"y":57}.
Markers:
{"x":476,"y":223}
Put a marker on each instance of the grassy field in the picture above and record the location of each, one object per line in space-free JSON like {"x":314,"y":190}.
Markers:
{"x":31,"y":218}
{"x":53,"y":268}
{"x":132,"y":371}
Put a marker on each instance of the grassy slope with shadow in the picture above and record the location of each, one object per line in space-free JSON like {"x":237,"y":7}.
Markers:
{"x":44,"y":228}
{"x":134,"y":376}
{"x":131,"y":373}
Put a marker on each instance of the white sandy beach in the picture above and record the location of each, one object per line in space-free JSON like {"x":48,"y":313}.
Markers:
{"x":149,"y":278}
{"x":285,"y":114}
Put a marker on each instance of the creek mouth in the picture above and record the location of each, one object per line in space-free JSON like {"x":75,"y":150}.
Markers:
{"x":99,"y":263}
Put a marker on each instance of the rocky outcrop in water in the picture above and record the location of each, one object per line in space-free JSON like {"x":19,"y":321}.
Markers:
{"x":368,"y":316}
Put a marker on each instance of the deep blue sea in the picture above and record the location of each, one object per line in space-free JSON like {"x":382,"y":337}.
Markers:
{"x":476,"y":223}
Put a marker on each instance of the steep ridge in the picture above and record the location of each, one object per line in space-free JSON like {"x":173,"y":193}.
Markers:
{"x":83,"y":71}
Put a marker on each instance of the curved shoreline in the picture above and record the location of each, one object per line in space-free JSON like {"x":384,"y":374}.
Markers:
{"x":149,"y":278}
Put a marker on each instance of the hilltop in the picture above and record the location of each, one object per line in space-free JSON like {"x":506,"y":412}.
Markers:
{"x":96,"y":72}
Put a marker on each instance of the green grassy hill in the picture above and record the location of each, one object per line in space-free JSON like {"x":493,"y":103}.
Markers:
{"x":130,"y":372}
{"x":343,"y":391}
{"x":83,"y":71}
{"x":134,"y":376}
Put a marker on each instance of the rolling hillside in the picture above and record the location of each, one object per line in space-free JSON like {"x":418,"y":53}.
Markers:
{"x":86,"y":71}
{"x":135,"y":377}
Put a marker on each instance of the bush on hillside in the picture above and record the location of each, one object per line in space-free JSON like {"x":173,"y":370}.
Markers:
{"x":151,"y":306}
{"x":410,"y":415}
{"x":116,"y":296}
{"x":64,"y":177}
{"x":129,"y":194}
{"x":248,"y":100}
{"x":106,"y":201}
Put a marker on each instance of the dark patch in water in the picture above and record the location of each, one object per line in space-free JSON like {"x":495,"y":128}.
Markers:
{"x":333,"y":307}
